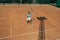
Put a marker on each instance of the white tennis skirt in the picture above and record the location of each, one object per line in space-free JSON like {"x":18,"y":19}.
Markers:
{"x":28,"y":19}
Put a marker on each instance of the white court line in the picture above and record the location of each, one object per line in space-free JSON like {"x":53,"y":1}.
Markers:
{"x":19,"y":35}
{"x":25,"y":34}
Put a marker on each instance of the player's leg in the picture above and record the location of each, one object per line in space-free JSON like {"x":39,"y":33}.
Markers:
{"x":31,"y":22}
{"x":27,"y":20}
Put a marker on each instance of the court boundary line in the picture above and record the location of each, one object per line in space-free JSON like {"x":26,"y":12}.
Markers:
{"x":25,"y":34}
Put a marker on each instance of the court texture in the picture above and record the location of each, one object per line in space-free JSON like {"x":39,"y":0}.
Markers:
{"x":13,"y":22}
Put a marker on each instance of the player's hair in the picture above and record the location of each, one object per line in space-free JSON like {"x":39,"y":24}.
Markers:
{"x":28,"y":12}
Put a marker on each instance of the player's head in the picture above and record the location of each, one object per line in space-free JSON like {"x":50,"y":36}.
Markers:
{"x":28,"y":12}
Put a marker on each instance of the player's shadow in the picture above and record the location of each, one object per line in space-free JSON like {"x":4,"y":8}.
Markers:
{"x":41,"y":35}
